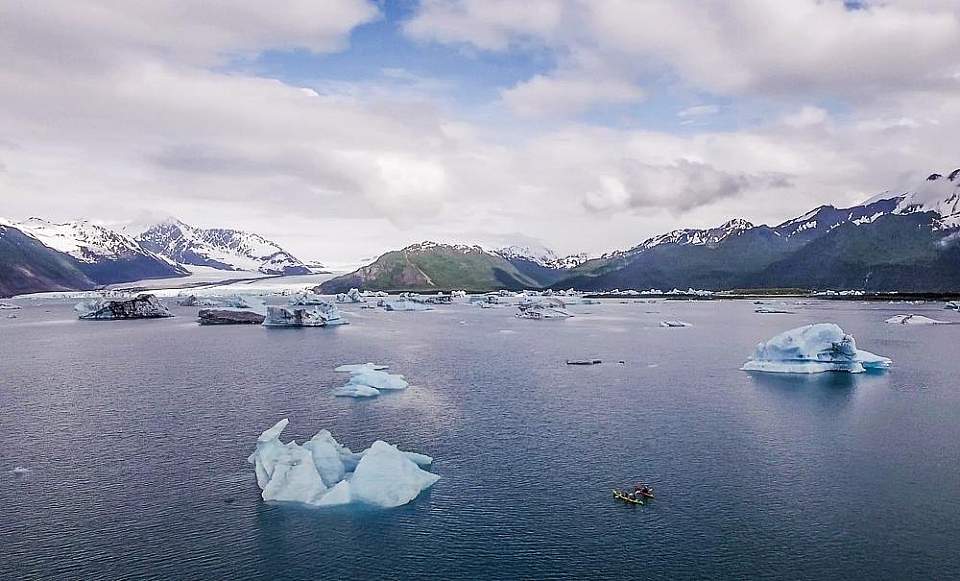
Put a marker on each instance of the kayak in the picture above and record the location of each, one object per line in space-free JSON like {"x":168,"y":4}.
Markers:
{"x":621,"y":496}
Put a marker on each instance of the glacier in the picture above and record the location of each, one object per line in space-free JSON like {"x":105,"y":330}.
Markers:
{"x":323,"y":472}
{"x":368,"y":380}
{"x":813,"y":349}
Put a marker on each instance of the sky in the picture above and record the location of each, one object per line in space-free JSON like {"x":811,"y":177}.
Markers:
{"x":345,"y":128}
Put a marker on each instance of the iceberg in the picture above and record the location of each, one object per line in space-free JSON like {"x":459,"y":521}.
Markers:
{"x":540,"y":309}
{"x":674,"y":324}
{"x":323,"y":472}
{"x":322,"y":315}
{"x":368,"y":380}
{"x":404,"y":304}
{"x":914,"y":320}
{"x":351,"y":296}
{"x":813,"y":349}
{"x":232,"y":301}
{"x":144,"y":306}
{"x":307,"y":299}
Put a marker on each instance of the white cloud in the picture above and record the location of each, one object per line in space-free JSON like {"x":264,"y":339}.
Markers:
{"x":698,"y":111}
{"x":114,"y":109}
{"x":546,"y":96}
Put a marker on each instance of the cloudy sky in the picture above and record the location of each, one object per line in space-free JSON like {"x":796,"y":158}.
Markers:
{"x":343,"y":128}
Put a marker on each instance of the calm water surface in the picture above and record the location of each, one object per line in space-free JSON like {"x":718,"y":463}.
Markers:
{"x":135,"y":435}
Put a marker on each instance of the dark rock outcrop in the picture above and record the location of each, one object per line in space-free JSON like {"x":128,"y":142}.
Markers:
{"x":229,"y":317}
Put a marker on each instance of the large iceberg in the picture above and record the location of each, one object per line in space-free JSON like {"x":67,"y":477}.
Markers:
{"x":321,"y":315}
{"x":368,"y":380}
{"x":307,"y":299}
{"x":322,"y":472}
{"x":144,"y":306}
{"x":813,"y":349}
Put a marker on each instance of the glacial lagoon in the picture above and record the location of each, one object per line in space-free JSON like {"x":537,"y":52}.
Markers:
{"x":125,"y":446}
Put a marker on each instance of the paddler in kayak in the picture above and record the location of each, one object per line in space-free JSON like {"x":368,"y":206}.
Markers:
{"x":642,"y":490}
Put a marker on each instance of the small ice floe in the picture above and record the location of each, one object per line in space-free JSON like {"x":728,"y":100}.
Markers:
{"x":772,"y":311}
{"x":9,"y":307}
{"x":404,"y":304}
{"x":368,"y":380}
{"x":322,"y":315}
{"x":953,"y":305}
{"x":542,"y":308}
{"x":585,"y":361}
{"x":914,"y":320}
{"x":20,"y":471}
{"x":813,"y":349}
{"x":308,"y":299}
{"x":144,"y":306}
{"x":11,"y":316}
{"x":230,"y":301}
{"x":674,"y":324}
{"x":351,"y":296}
{"x":323,"y":472}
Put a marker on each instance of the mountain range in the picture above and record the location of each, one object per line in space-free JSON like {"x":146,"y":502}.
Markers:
{"x":894,"y":241}
{"x":906,"y":241}
{"x":37,"y":255}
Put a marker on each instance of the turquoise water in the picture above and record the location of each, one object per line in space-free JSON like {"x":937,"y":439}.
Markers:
{"x":135,"y":435}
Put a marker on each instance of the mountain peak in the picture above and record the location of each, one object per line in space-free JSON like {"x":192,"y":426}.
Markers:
{"x":219,"y":248}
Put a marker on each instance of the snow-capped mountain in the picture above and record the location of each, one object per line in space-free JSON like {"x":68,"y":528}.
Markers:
{"x":102,"y":254}
{"x":697,"y":237}
{"x":220,"y":248}
{"x":937,"y":193}
{"x":541,"y":256}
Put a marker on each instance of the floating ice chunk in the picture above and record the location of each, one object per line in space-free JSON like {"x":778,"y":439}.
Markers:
{"x":542,"y":308}
{"x":322,"y":315}
{"x":377,"y":379}
{"x":915,"y":320}
{"x":351,"y":296}
{"x":356,"y":390}
{"x":230,"y":301}
{"x":9,"y":307}
{"x":675,"y":324}
{"x":387,"y":477}
{"x":813,"y":349}
{"x":21,"y":471}
{"x":772,"y":311}
{"x":322,"y":472}
{"x":954,"y":305}
{"x":144,"y":306}
{"x":404,"y":304}
{"x":360,"y":367}
{"x":307,"y":299}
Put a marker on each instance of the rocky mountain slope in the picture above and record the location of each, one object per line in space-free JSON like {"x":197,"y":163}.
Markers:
{"x":220,"y":248}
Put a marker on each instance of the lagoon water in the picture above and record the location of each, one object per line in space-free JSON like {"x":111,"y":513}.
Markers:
{"x":134,"y":436}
